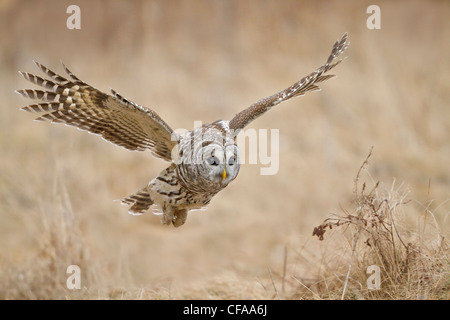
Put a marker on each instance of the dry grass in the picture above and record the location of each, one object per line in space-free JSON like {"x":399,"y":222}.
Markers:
{"x":413,"y":259}
{"x":206,"y":61}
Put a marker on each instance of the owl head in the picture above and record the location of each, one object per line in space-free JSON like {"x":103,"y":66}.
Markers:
{"x":208,"y":159}
{"x":220,"y":163}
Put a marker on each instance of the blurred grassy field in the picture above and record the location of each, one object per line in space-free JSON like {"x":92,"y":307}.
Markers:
{"x":207,"y":60}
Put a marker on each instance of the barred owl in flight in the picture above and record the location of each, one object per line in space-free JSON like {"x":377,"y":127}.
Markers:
{"x":202,"y":161}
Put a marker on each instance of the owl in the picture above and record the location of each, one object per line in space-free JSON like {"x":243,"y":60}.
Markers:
{"x":202,"y":162}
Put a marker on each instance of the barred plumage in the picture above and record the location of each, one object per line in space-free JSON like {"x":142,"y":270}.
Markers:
{"x":205,"y":159}
{"x":115,"y":118}
{"x":308,"y":83}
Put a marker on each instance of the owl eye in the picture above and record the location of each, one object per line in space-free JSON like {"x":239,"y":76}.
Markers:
{"x":231,"y":161}
{"x":213,"y":161}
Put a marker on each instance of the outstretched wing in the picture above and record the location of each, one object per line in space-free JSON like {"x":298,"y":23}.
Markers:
{"x":308,"y":83}
{"x":115,"y":118}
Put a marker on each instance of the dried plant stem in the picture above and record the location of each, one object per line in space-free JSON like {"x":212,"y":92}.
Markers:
{"x":366,"y":162}
{"x":284,"y":269}
{"x":273,"y":284}
{"x":355,"y":240}
{"x":358,"y":224}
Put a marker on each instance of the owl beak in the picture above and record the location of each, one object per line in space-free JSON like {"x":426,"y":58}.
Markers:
{"x":224,"y":174}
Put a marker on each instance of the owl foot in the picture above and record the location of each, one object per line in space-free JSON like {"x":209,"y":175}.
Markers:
{"x":179,"y":218}
{"x":167,"y":219}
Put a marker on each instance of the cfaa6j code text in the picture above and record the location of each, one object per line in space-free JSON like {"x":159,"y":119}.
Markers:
{"x":232,"y":309}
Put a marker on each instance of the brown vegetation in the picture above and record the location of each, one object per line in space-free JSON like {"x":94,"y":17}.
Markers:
{"x":206,"y":60}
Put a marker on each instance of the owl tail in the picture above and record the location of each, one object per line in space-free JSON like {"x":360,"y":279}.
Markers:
{"x":140,"y":202}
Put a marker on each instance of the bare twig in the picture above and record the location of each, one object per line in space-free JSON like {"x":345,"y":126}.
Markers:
{"x":273,"y":284}
{"x":284,"y":269}
{"x":355,"y":240}
{"x":366,"y":162}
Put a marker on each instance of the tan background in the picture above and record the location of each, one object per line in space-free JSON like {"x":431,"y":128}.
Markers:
{"x":207,"y":60}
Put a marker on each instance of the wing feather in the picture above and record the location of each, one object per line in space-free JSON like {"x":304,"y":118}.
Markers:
{"x":115,"y":118}
{"x":308,"y":83}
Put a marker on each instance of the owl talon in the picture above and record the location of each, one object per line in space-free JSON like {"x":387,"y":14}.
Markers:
{"x":180,"y":218}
